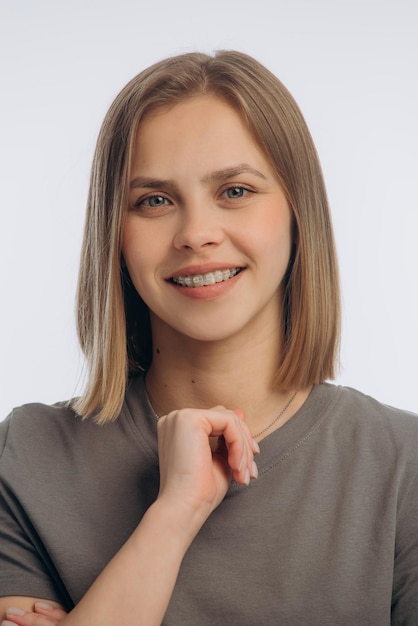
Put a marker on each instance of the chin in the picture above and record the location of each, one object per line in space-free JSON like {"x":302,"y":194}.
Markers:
{"x":214,"y":333}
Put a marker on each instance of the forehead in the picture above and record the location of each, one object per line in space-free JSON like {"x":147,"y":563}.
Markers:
{"x":191,"y":111}
{"x":200,"y":127}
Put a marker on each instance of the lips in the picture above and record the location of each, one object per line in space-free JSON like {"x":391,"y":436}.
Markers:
{"x":205,"y":279}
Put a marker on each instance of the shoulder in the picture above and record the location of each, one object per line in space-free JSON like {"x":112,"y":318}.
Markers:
{"x":364,"y":418}
{"x":40,"y":433}
{"x":40,"y":418}
{"x":36,"y":431}
{"x":362,"y":406}
{"x":36,"y":417}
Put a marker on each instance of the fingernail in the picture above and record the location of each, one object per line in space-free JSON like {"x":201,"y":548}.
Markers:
{"x":254,"y":470}
{"x":44,"y":605}
{"x":12,"y":610}
{"x":256,"y":447}
{"x":6,"y":622}
{"x":247,"y":477}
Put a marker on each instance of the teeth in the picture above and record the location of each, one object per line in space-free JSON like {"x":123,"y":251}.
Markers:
{"x":202,"y":280}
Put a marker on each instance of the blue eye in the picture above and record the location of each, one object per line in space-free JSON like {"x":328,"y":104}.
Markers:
{"x":235,"y":193}
{"x":154,"y":201}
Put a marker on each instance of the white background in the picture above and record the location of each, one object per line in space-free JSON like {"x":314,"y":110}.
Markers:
{"x":353,"y":68}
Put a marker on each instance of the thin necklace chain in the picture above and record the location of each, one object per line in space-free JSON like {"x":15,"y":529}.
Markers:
{"x":284,"y":409}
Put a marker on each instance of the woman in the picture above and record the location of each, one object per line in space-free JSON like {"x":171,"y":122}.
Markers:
{"x":208,"y":310}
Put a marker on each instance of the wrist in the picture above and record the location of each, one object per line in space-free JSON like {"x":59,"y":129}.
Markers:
{"x":177,"y":519}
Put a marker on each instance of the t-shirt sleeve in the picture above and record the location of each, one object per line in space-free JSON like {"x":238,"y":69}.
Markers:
{"x":25,"y":567}
{"x":405,"y":583}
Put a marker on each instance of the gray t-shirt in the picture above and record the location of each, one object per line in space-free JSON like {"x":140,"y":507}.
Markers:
{"x":327,"y":535}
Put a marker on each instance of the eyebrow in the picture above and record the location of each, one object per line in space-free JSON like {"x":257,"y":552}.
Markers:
{"x":217,"y":176}
{"x":230,"y":172}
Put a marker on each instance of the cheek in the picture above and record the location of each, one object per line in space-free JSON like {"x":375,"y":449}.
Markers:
{"x":136,"y":246}
{"x":145,"y":243}
{"x":274,"y":237}
{"x":134,"y":259}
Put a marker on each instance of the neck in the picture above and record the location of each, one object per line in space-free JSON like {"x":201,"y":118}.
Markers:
{"x":188,"y":373}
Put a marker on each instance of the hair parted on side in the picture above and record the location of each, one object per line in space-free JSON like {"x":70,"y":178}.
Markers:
{"x":113,"y":322}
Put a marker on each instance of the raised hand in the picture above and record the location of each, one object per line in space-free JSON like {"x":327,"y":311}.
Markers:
{"x":199,"y":452}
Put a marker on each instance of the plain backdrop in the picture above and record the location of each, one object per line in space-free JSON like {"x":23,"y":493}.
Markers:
{"x":351,"y":65}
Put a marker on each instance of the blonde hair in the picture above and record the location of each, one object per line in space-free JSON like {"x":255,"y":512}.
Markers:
{"x":113,"y":323}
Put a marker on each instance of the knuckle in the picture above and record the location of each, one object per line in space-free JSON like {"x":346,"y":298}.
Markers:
{"x":182,"y":415}
{"x":178,"y":418}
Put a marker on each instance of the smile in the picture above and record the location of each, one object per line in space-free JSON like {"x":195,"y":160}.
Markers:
{"x":203,"y":280}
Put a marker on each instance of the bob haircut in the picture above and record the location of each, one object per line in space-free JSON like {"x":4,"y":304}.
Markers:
{"x":112,"y":320}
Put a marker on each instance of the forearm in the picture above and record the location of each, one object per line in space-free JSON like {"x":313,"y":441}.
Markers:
{"x":138,"y":582}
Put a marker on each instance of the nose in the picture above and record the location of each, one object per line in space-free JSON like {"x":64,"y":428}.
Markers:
{"x":199,"y":227}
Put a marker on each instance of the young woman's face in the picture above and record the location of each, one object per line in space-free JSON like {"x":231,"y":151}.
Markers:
{"x":208,"y":232}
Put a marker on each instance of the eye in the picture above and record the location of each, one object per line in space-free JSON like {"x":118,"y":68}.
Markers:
{"x":236,"y":192}
{"x":152,"y":202}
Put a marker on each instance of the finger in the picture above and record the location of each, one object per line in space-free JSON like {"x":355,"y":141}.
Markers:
{"x":44,"y":614}
{"x":217,"y":421}
{"x":222,"y":451}
{"x":235,"y":443}
{"x":240,"y":446}
{"x":214,"y":422}
{"x":253,"y":442}
{"x":52,"y":612}
{"x":19,"y":617}
{"x":253,"y":469}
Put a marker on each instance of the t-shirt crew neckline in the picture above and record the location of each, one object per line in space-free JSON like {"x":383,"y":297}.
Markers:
{"x":274,"y":447}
